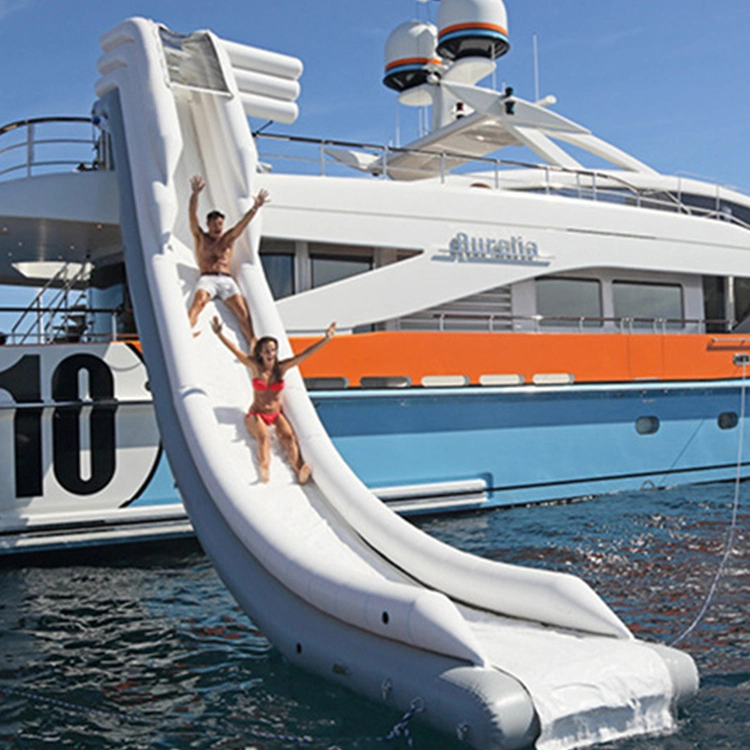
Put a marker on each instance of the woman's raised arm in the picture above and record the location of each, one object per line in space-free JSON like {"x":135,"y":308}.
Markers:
{"x":287,"y":364}
{"x":247,"y":360}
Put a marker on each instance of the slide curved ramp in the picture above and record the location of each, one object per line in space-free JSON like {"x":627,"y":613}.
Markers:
{"x":341,"y":585}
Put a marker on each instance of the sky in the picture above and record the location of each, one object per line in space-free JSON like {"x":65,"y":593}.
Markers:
{"x":666,"y":81}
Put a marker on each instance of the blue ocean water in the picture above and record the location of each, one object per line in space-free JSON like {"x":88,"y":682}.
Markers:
{"x":145,"y":649}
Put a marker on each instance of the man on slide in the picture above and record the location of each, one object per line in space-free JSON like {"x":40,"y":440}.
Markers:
{"x":213,"y":251}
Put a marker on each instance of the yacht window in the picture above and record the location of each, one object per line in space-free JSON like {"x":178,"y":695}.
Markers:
{"x":277,"y":258}
{"x":569,"y":302}
{"x":741,"y":298}
{"x":742,"y":213}
{"x":331,"y":262}
{"x":714,"y":303}
{"x":728,"y":420}
{"x":646,"y":305}
{"x":709,"y":206}
{"x":327,"y":269}
{"x":647,"y":425}
{"x":279,"y":270}
{"x":108,"y":295}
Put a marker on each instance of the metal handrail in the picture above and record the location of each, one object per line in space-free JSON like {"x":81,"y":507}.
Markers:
{"x":41,"y":120}
{"x":623,"y":324}
{"x":31,"y":142}
{"x":597,"y":190}
{"x":651,"y":197}
{"x":46,"y":333}
{"x":62,"y":283}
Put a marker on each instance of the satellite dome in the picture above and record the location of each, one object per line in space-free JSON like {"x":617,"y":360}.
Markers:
{"x":472,"y":28}
{"x":410,"y":55}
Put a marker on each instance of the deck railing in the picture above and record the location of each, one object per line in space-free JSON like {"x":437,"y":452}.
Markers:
{"x":53,"y":325}
{"x":52,"y":144}
{"x":316,"y":157}
{"x":492,"y":322}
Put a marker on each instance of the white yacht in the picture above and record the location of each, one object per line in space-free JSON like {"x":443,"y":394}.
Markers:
{"x":510,"y":332}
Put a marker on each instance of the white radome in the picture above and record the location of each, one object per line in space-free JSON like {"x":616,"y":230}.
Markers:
{"x":472,"y":28}
{"x":410,"y":54}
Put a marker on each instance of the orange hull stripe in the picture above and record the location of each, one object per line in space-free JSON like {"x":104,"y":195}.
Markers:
{"x":588,"y":357}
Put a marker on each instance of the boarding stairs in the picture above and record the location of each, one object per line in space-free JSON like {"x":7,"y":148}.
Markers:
{"x":58,"y":312}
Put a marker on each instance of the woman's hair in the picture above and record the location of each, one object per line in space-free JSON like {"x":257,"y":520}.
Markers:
{"x":276,"y":372}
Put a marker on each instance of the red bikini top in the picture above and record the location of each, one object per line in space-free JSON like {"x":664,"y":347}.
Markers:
{"x":261,"y":385}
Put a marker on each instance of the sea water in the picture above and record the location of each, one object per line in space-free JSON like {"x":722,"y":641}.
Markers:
{"x":146,"y":649}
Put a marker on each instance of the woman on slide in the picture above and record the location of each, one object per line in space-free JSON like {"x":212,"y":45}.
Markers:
{"x":268,"y":382}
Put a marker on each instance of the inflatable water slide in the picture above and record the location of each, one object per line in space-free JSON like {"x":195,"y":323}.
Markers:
{"x":503,"y":656}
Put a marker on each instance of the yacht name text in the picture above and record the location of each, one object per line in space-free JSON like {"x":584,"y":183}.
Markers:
{"x":465,"y":248}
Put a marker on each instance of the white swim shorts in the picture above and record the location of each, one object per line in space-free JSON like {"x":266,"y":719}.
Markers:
{"x":218,"y":285}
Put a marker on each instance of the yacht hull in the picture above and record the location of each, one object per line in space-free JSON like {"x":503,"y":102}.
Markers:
{"x":86,"y":468}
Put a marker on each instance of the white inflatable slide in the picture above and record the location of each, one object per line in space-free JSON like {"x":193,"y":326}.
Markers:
{"x":506,"y":657}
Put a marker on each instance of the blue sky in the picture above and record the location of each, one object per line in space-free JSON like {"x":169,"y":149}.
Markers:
{"x":665,"y":81}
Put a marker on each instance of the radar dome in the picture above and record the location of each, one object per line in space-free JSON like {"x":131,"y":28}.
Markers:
{"x":472,"y":28}
{"x":410,"y":55}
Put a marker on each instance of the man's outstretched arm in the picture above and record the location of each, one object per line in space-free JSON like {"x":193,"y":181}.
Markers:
{"x":242,"y":224}
{"x":197,"y":183}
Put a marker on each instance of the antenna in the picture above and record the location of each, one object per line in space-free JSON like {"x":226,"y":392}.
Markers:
{"x":398,"y":124}
{"x":536,"y":69}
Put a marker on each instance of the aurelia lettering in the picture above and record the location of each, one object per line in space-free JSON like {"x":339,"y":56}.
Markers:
{"x":515,"y":249}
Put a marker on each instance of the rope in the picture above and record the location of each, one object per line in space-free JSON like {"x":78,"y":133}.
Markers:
{"x":11,"y":692}
{"x":400,"y":728}
{"x":729,"y":545}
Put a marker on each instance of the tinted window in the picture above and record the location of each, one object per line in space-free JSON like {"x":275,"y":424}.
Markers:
{"x":647,"y":425}
{"x":565,"y":301}
{"x":728,"y":420}
{"x":326,"y":270}
{"x":741,"y":298}
{"x":279,"y":270}
{"x":645,"y":303}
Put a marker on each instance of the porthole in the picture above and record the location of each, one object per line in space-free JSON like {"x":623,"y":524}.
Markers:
{"x":385,"y":618}
{"x":647,"y":425}
{"x":728,"y":420}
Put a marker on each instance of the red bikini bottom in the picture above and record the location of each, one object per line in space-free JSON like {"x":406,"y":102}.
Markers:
{"x":268,"y":418}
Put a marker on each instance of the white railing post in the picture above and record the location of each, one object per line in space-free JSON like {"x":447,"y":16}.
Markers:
{"x":39,"y":324}
{"x":29,"y":148}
